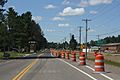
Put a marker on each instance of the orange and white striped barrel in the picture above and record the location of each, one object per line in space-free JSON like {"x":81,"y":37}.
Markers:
{"x":73,"y":56}
{"x":67,"y":55}
{"x":82,"y":58}
{"x":59,"y":54}
{"x":56,"y":53}
{"x":99,"y":63}
{"x":63,"y":54}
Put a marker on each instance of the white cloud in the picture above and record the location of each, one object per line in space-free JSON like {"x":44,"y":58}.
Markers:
{"x":64,"y":25}
{"x":50,"y":6}
{"x":93,"y":12}
{"x":66,"y":2}
{"x":50,"y":30}
{"x":58,"y":19}
{"x":83,"y":4}
{"x":12,"y":7}
{"x":96,"y":2}
{"x":72,"y":12}
{"x":37,"y":18}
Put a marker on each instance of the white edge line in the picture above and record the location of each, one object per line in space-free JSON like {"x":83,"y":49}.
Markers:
{"x":90,"y":68}
{"x":106,"y":76}
{"x":100,"y":73}
{"x":78,"y":69}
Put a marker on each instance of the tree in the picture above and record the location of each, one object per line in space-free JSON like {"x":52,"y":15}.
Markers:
{"x":3,"y":36}
{"x":17,"y":30}
{"x":73,"y":43}
{"x":2,"y":2}
{"x":12,"y":25}
{"x":92,"y":43}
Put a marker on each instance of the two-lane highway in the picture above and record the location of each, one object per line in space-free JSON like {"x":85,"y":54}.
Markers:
{"x":53,"y":69}
{"x":10,"y":69}
{"x":47,"y":67}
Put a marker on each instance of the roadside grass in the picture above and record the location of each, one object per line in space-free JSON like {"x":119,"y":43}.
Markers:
{"x":108,"y":62}
{"x":13,"y":54}
{"x":16,"y":54}
{"x":112,"y":63}
{"x":1,"y":55}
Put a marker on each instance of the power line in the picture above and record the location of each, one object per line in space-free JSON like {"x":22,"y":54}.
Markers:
{"x":106,"y":33}
{"x":108,"y":11}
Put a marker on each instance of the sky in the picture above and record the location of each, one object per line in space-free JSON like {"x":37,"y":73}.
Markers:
{"x":60,"y":18}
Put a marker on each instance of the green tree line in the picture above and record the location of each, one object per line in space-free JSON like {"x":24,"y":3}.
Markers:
{"x":106,"y":40}
{"x":71,"y":45}
{"x":17,"y":30}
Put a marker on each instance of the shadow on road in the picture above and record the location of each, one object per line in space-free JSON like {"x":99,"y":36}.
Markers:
{"x":41,"y":57}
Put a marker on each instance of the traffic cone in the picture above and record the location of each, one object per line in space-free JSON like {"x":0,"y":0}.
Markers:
{"x":82,"y":58}
{"x":99,"y":63}
{"x":73,"y":56}
{"x":63,"y":54}
{"x":67,"y":55}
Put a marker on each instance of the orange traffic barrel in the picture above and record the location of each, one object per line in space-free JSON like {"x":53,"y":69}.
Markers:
{"x":67,"y":55}
{"x":95,"y":53}
{"x":82,"y":58}
{"x":73,"y":56}
{"x":63,"y":54}
{"x":99,"y":63}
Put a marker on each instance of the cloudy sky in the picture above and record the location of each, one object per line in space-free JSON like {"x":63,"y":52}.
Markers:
{"x":59,"y":18}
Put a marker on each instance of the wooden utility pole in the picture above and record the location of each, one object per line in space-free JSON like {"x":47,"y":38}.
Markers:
{"x":80,"y":36}
{"x":86,"y":21}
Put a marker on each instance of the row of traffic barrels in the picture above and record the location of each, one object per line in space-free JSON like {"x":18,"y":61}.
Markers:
{"x":70,"y":55}
{"x":99,"y":58}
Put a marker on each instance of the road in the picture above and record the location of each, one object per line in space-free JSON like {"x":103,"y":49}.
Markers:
{"x":47,"y":67}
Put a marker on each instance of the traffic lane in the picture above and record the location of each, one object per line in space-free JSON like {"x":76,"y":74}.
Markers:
{"x":53,"y":69}
{"x":11,"y":69}
{"x":87,"y":69}
{"x":110,"y":70}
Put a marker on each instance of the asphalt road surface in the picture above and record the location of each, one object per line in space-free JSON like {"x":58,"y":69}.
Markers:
{"x":46,"y":67}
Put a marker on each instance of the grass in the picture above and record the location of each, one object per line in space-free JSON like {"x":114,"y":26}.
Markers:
{"x":112,"y":63}
{"x":1,"y":55}
{"x":108,"y":62}
{"x":13,"y":54}
{"x":16,"y":54}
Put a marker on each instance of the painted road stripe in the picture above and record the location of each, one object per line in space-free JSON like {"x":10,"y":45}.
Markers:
{"x":25,"y":70}
{"x":101,"y":73}
{"x":79,"y":70}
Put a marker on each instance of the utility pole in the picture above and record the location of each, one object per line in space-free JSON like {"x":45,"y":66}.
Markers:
{"x":65,"y":43}
{"x":69,"y":41}
{"x":99,"y":43}
{"x":86,"y":21}
{"x":70,"y":36}
{"x":80,"y":36}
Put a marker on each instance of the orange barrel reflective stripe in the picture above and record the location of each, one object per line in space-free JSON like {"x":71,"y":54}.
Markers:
{"x":82,"y":58}
{"x":67,"y":55}
{"x":99,"y":63}
{"x":73,"y":56}
{"x":63,"y":54}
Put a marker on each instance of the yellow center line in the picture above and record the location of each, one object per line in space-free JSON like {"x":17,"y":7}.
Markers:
{"x":25,"y":70}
